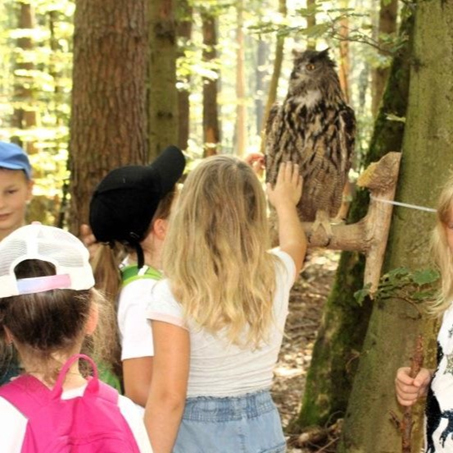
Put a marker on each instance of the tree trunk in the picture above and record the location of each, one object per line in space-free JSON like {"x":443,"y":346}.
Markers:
{"x":241,"y":109}
{"x":25,"y":117}
{"x":388,"y":14}
{"x":108,"y":123}
{"x":311,"y":22}
{"x":260,"y":72}
{"x":344,"y":69}
{"x":342,"y":331}
{"x":163,"y":96}
{"x":211,"y":128}
{"x":427,"y":157}
{"x":273,"y":86}
{"x":184,"y":21}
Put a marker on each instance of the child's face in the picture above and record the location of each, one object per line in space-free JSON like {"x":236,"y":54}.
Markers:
{"x":15,"y":192}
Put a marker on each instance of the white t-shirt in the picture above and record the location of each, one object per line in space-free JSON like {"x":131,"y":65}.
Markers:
{"x":220,"y":369}
{"x":13,"y":423}
{"x":439,"y":407}
{"x":135,"y":329}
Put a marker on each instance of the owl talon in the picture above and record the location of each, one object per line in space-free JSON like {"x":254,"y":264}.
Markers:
{"x":322,"y":221}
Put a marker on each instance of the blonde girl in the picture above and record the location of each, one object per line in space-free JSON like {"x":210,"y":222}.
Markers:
{"x":218,"y":319}
{"x":437,"y":385}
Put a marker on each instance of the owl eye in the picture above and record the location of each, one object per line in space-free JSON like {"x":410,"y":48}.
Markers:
{"x":310,"y":66}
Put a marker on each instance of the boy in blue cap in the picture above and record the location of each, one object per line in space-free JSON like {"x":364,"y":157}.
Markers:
{"x":15,"y":187}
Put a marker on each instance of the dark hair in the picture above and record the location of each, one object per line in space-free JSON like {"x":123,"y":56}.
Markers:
{"x":44,"y":323}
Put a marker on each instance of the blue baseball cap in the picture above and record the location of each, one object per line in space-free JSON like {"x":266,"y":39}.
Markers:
{"x":14,"y":157}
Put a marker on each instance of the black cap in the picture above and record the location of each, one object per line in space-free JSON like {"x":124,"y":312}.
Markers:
{"x":125,"y":201}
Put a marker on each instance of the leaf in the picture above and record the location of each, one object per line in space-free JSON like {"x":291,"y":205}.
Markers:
{"x":425,"y":276}
{"x":423,"y":295}
{"x":363,"y":293}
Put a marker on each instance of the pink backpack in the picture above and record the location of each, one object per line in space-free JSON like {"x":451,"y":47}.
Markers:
{"x":91,"y":423}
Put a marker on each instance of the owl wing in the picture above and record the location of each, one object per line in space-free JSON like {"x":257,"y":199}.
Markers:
{"x":347,"y":131}
{"x":269,"y":149}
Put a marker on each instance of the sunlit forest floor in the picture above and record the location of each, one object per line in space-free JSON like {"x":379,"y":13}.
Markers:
{"x":306,"y":303}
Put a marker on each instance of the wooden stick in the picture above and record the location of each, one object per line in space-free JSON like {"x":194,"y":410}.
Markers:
{"x":406,"y":423}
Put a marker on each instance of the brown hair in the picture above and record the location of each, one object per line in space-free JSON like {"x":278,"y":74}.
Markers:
{"x":52,"y":322}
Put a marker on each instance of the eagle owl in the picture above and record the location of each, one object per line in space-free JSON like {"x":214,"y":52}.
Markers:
{"x":314,"y":128}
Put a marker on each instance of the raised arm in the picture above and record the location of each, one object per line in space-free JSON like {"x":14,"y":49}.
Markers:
{"x":284,"y":196}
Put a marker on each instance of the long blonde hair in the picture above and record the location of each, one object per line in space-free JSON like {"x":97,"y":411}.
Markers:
{"x":215,"y":253}
{"x":441,"y":252}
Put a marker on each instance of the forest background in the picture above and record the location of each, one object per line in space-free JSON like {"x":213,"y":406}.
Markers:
{"x":89,"y":85}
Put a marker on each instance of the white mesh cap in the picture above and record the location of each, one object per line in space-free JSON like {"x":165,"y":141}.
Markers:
{"x":38,"y":242}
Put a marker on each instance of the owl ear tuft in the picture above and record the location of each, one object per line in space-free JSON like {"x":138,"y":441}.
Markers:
{"x":297,"y":53}
{"x":325,"y":52}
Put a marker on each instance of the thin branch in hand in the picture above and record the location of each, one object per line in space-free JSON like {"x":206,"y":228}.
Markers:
{"x":406,"y":423}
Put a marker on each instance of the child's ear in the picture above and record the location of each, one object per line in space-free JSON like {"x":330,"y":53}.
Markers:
{"x":92,"y":319}
{"x":160,"y":228}
{"x":30,"y":190}
{"x":8,"y":335}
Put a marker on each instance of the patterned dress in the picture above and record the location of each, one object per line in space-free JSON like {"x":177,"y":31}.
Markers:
{"x":439,"y":407}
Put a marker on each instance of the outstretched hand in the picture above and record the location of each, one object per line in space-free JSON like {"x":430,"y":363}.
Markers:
{"x":288,"y":187}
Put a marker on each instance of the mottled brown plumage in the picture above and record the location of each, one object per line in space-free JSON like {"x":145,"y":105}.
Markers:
{"x":315,"y":128}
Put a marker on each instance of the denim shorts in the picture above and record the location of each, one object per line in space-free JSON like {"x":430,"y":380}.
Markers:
{"x":245,"y":424}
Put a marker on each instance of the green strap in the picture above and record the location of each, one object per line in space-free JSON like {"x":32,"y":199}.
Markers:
{"x":132,"y":273}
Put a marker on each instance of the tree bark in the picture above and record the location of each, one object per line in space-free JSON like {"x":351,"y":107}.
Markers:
{"x":311,"y":22}
{"x":241,"y":109}
{"x":260,"y":72}
{"x":344,"y":324}
{"x":184,"y":28}
{"x":108,"y":122}
{"x":427,"y":157}
{"x":163,"y":96}
{"x":344,"y":67}
{"x":273,"y":86}
{"x":388,"y":14}
{"x":211,"y":128}
{"x":25,"y":117}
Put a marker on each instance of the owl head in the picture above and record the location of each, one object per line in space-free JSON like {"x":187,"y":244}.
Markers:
{"x":310,"y":70}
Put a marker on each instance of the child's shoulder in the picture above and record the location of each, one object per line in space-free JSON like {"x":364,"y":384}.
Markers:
{"x":12,"y":427}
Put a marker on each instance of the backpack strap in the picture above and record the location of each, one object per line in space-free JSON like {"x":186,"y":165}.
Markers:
{"x":108,"y":393}
{"x":132,"y":272}
{"x":93,"y":383}
{"x":26,"y":393}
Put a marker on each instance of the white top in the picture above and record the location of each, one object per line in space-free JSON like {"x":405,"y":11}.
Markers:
{"x":135,"y":330}
{"x":220,"y":369}
{"x":439,"y":409}
{"x":13,"y":423}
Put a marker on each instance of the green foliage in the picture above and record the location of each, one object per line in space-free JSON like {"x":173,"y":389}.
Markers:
{"x":35,"y":90}
{"x":48,"y":74}
{"x":401,"y":283}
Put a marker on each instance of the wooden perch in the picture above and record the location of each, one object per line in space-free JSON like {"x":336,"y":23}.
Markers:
{"x":370,"y":234}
